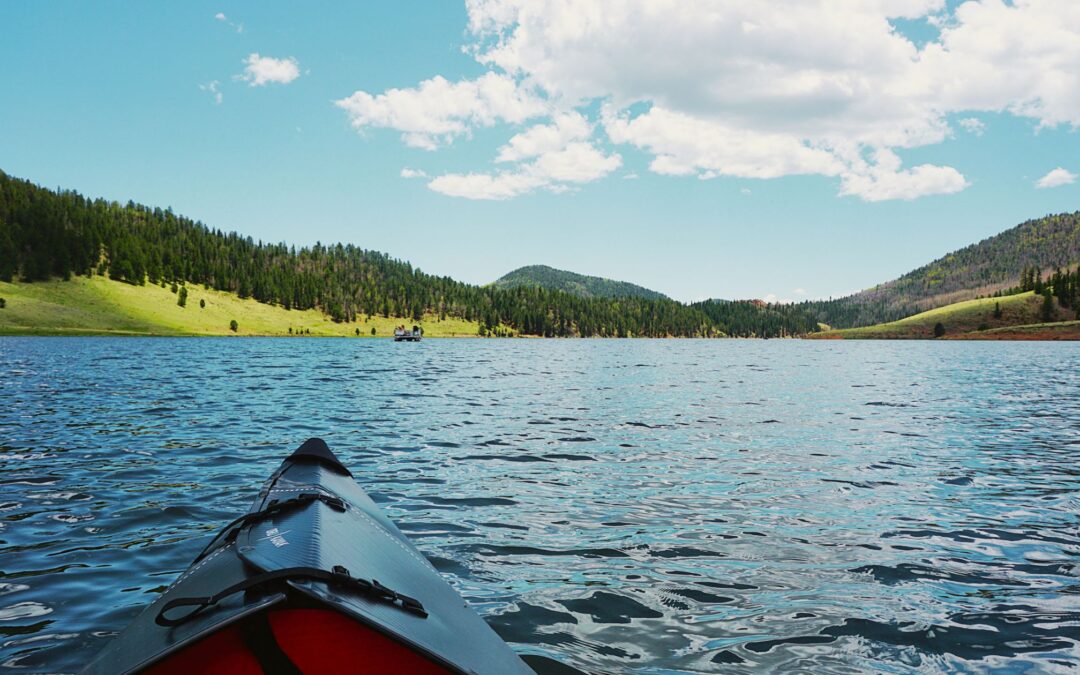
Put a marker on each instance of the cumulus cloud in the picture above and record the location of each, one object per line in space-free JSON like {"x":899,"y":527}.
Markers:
{"x":884,"y":180}
{"x":220,"y":16}
{"x":774,"y":299}
{"x":485,"y":186}
{"x":544,"y":138}
{"x":263,"y":70}
{"x":437,"y":111}
{"x":413,"y":173}
{"x":1056,"y":178}
{"x":685,"y":145}
{"x":556,"y":170}
{"x":741,"y":89}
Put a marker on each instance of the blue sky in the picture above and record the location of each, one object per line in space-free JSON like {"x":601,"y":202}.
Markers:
{"x":742,"y":168}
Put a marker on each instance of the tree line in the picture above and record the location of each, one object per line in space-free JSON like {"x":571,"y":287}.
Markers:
{"x":991,"y":265}
{"x":59,"y":233}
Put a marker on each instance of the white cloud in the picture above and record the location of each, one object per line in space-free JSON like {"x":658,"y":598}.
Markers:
{"x":745,"y":192}
{"x":685,"y":145}
{"x":800,"y":291}
{"x":630,"y":176}
{"x":774,"y":299}
{"x":220,"y":16}
{"x":576,"y":163}
{"x":486,"y":186}
{"x":1055,"y":178}
{"x":986,"y":60}
{"x":884,"y":179}
{"x":437,"y":111}
{"x":973,"y":125}
{"x":263,"y":70}
{"x":742,"y":89}
{"x":544,"y":138}
{"x":413,"y":173}
{"x":214,"y":87}
{"x":556,"y":170}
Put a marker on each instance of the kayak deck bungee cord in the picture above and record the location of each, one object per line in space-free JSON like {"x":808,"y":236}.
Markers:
{"x":313,"y":579}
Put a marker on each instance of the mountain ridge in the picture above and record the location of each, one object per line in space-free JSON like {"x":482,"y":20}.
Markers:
{"x":988,"y":266}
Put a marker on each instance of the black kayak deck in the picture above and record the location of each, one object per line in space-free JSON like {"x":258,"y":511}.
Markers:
{"x":330,"y":525}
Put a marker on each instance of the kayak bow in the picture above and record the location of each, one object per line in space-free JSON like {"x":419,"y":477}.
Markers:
{"x":313,"y":579}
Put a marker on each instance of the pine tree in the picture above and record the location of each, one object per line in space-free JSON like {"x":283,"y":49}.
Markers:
{"x":182,"y":297}
{"x":939,"y":329}
{"x":1049,"y":312}
{"x":233,"y":326}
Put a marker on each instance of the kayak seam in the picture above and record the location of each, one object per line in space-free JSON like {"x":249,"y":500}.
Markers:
{"x":382,"y":530}
{"x":194,"y":569}
{"x":379,"y":527}
{"x":306,"y":488}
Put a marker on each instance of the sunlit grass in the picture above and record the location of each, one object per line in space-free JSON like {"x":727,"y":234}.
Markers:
{"x":958,"y":318}
{"x":100,"y":306}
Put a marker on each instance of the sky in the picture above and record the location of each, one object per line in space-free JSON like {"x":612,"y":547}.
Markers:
{"x":720,"y":148}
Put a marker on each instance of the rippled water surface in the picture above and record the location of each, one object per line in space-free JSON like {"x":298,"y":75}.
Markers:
{"x":650,"y":506}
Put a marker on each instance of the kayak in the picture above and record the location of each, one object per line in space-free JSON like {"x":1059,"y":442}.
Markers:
{"x":313,"y":579}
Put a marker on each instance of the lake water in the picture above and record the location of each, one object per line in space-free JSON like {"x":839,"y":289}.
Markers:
{"x":650,"y":506}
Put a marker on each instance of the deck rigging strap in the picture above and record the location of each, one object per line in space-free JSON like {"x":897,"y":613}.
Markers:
{"x":258,"y":635}
{"x":339,"y":578}
{"x":232,"y":530}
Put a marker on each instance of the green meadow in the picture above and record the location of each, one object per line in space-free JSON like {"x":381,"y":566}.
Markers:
{"x":958,"y":319}
{"x":100,"y":306}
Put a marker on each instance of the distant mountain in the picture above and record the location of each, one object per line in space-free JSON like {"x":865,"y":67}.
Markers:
{"x":981,"y":269}
{"x":542,"y":276}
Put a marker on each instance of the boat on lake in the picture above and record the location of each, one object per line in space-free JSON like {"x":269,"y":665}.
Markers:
{"x":312,"y":579}
{"x":403,"y":334}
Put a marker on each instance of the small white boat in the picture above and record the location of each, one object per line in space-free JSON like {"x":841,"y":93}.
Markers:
{"x":403,"y":334}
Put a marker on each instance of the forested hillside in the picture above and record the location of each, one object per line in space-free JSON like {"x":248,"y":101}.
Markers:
{"x":46,"y":234}
{"x":757,"y":319}
{"x":993,"y":264}
{"x":576,"y":284}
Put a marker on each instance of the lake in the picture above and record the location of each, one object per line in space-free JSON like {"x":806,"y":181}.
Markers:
{"x":639,"y":505}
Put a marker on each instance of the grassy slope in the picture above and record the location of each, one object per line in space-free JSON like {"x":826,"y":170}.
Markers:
{"x":1020,"y":315}
{"x":98,"y":305}
{"x":1062,"y":330}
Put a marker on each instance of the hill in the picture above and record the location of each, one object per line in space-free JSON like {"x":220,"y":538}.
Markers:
{"x":96,"y":305}
{"x":994,"y":264}
{"x":580,"y":285}
{"x":47,"y":234}
{"x":1006,"y":317}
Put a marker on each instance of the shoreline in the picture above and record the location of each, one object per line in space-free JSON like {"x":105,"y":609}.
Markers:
{"x":999,"y":335}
